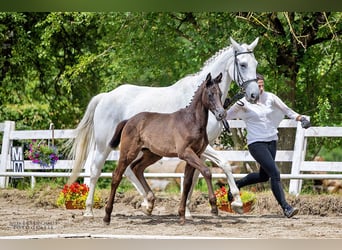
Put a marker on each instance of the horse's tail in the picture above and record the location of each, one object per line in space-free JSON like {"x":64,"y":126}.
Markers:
{"x":84,"y":140}
{"x":115,"y":141}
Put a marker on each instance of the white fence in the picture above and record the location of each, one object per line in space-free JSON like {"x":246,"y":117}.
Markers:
{"x":296,"y":156}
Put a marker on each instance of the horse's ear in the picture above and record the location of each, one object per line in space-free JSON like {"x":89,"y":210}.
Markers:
{"x":218,"y":78}
{"x":253,"y":44}
{"x":236,"y":46}
{"x":208,"y":78}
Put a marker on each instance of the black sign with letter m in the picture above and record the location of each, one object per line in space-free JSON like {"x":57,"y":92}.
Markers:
{"x":17,"y":159}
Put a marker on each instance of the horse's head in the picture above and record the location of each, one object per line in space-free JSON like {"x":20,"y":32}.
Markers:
{"x":244,"y":70}
{"x":212,"y":96}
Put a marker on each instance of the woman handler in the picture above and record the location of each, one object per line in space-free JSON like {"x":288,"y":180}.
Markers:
{"x":262,"y":120}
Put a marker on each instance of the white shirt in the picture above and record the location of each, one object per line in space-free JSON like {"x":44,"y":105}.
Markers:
{"x":263,"y":118}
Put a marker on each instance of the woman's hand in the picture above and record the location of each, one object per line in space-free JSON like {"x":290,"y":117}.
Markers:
{"x":305,"y":122}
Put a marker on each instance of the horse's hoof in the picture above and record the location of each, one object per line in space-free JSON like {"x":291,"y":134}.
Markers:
{"x":189,"y":217}
{"x":88,"y":215}
{"x":237,"y":208}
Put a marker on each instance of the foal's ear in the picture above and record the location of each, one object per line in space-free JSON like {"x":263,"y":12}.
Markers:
{"x":208,"y":78}
{"x":218,"y":78}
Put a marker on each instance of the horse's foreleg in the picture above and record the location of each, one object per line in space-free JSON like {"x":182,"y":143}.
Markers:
{"x":213,"y":156}
{"x":187,"y":186}
{"x":192,"y":159}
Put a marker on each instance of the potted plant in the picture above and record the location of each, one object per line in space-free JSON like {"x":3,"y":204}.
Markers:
{"x":248,"y":199}
{"x":74,"y":196}
{"x":41,"y":153}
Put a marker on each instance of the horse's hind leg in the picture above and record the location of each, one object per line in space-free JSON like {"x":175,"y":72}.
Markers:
{"x":116,"y":179}
{"x":138,"y":167}
{"x":97,"y":160}
{"x":213,"y":156}
{"x":129,"y":151}
{"x":188,"y":200}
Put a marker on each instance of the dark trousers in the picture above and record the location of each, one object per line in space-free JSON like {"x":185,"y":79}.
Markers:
{"x":264,"y":153}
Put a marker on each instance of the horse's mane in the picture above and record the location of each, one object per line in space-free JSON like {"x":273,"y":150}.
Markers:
{"x":207,"y":62}
{"x":197,"y":90}
{"x":212,"y":58}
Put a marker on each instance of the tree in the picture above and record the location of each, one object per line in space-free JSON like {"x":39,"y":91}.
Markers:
{"x":53,"y":63}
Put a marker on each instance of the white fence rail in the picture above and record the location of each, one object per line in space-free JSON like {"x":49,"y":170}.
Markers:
{"x":296,"y":156}
{"x":300,"y":165}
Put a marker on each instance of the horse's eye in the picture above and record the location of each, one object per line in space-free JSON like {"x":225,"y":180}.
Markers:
{"x":243,"y":65}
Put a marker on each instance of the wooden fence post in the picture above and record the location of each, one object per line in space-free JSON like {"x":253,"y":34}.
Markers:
{"x":298,"y":157}
{"x":5,"y":151}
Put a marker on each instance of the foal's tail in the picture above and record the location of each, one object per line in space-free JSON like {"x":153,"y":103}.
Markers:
{"x":115,"y":141}
{"x":84,"y":140}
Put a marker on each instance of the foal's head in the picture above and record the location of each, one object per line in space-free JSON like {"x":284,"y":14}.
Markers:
{"x":211,"y":96}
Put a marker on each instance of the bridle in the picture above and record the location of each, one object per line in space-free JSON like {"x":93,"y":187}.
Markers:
{"x":242,"y":84}
{"x":239,"y":79}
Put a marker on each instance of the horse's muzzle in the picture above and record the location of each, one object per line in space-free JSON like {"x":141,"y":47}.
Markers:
{"x":253,"y":98}
{"x":220,"y":114}
{"x":252,"y":92}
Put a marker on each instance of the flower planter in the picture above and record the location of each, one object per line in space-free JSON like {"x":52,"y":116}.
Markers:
{"x":247,"y":207}
{"x":74,"y":197}
{"x":72,"y":205}
{"x":43,"y":154}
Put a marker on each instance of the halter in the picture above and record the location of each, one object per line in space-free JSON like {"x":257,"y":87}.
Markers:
{"x":242,"y":84}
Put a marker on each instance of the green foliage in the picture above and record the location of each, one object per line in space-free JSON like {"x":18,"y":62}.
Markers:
{"x":53,"y":63}
{"x":322,"y":115}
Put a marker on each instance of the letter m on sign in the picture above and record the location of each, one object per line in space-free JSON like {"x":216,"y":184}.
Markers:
{"x":17,"y":159}
{"x":17,"y":154}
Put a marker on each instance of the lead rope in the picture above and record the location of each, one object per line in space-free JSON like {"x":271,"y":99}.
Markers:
{"x":227,"y":103}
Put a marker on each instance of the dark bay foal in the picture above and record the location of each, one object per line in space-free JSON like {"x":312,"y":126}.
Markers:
{"x":147,"y":137}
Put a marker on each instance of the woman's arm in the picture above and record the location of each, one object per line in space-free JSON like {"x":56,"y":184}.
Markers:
{"x":290,"y":113}
{"x":234,"y":110}
{"x":285,"y":109}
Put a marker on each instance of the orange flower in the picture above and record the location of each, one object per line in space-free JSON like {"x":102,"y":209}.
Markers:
{"x":77,"y":193}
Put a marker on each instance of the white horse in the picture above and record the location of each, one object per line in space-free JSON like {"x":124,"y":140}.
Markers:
{"x":106,"y":110}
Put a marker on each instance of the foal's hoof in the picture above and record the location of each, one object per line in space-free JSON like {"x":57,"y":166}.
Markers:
{"x":182,"y":221}
{"x":106,"y":220}
{"x":106,"y":223}
{"x":146,"y":210}
{"x":214,"y":212}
